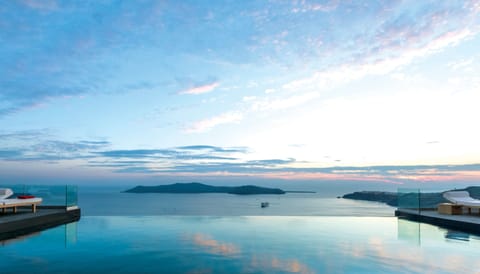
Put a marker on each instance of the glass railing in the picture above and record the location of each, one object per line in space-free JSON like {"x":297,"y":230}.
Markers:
{"x":408,"y":198}
{"x":52,"y":195}
{"x":71,"y":195}
{"x":419,"y":199}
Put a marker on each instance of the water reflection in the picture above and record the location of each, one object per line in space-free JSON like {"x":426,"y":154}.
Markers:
{"x":266,"y":262}
{"x":274,"y":264}
{"x":19,"y":238}
{"x":179,"y":244}
{"x":66,"y":234}
{"x":413,"y":232}
{"x":213,"y":246}
{"x":408,"y":231}
{"x":457,"y":235}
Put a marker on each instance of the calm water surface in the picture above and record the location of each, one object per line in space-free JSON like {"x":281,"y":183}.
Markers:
{"x":262,"y":244}
{"x":111,"y":202}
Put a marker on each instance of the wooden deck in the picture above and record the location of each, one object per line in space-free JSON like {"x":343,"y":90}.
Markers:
{"x":464,"y":222}
{"x":24,"y":221}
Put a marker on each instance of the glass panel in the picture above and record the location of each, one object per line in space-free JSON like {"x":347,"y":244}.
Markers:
{"x":408,"y":198}
{"x":430,"y":198}
{"x":71,"y":195}
{"x":52,"y":195}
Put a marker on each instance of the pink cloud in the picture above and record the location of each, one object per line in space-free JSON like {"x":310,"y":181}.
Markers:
{"x":430,"y":176}
{"x":201,"y":89}
{"x":208,"y":124}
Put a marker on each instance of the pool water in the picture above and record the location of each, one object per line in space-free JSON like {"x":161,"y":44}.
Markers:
{"x":236,"y":244}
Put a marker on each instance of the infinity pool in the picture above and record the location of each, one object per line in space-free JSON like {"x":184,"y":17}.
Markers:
{"x":266,"y":244}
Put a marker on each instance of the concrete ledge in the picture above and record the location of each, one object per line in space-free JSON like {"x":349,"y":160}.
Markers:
{"x":466,"y":223}
{"x":25,"y":222}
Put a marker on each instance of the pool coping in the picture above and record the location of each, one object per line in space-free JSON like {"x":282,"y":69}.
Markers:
{"x":465,"y":222}
{"x":25,"y":222}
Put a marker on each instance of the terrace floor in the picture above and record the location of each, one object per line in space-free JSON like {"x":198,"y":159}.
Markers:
{"x":25,"y":221}
{"x":464,"y":222}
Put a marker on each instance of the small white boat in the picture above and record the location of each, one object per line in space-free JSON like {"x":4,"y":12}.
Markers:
{"x":264,"y":204}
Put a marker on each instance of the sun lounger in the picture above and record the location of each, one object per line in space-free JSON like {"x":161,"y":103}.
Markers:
{"x":5,"y":193}
{"x":462,"y":198}
{"x":15,"y":203}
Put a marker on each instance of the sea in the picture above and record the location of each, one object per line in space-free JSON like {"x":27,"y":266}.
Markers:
{"x":113,"y":201}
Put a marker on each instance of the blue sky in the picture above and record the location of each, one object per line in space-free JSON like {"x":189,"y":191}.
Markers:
{"x":381,"y":91}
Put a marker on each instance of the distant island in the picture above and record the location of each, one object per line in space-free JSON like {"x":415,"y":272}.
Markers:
{"x":203,"y":188}
{"x":427,"y":199}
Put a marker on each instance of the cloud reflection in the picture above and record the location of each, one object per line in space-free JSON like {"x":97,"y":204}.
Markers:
{"x":263,"y":262}
{"x":277,"y":264}
{"x":213,"y":246}
{"x":379,"y":249}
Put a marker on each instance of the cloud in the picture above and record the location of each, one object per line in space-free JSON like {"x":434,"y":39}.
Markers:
{"x":69,"y":54}
{"x":237,"y":166}
{"x":116,"y":163}
{"x":302,"y":7}
{"x":195,"y":152}
{"x":201,"y":89}
{"x":248,"y":98}
{"x":213,"y":148}
{"x":260,"y":104}
{"x":272,"y":162}
{"x":282,"y":169}
{"x":31,"y":146}
{"x":284,"y":103}
{"x":269,"y":90}
{"x":134,"y":153}
{"x":399,"y":41}
{"x":61,"y":147}
{"x":142,"y":170}
{"x":76,"y":63}
{"x":207,"y":160}
{"x":353,"y":71}
{"x":47,"y":5}
{"x":26,"y":135}
{"x":461,"y":64}
{"x":208,"y":124}
{"x":8,"y":154}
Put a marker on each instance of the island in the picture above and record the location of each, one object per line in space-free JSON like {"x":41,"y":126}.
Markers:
{"x":426,"y":199}
{"x":203,"y":188}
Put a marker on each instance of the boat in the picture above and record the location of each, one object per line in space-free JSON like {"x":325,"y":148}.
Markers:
{"x":264,"y":204}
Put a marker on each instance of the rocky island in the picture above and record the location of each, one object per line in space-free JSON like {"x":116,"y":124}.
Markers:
{"x":426,"y":199}
{"x":203,"y":188}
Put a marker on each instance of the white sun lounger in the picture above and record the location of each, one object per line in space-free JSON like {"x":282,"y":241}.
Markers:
{"x":5,"y":193}
{"x":462,"y":198}
{"x":15,"y":203}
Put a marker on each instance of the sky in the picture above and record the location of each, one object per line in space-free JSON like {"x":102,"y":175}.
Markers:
{"x":244,"y":91}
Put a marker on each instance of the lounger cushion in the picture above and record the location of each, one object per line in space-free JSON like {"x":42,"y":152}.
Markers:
{"x":461,"y":198}
{"x":5,"y":193}
{"x":25,"y":196}
{"x":21,"y":201}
